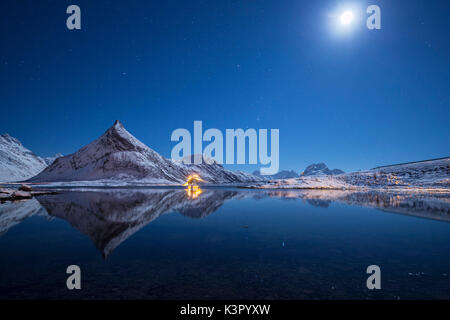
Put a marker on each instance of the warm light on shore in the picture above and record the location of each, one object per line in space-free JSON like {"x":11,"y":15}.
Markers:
{"x":193,"y":190}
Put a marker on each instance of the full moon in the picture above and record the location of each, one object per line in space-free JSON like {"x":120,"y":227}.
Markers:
{"x":347,"y":17}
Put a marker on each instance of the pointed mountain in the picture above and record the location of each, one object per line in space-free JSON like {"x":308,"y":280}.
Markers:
{"x":118,"y":156}
{"x":17,"y":163}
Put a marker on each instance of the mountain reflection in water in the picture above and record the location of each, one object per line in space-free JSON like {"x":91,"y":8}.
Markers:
{"x":108,"y":217}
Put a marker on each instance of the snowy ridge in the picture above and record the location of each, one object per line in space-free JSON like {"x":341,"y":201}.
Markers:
{"x":311,"y":182}
{"x":433,"y":174}
{"x":17,"y":162}
{"x":428,"y":174}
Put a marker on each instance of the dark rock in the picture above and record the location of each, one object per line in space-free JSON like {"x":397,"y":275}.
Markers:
{"x":25,"y":187}
{"x":21,"y":195}
{"x":317,"y":169}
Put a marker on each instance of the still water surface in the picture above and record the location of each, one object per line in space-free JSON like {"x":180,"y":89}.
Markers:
{"x":225,"y":244}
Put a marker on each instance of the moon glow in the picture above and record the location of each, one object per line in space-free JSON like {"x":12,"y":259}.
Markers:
{"x":346,"y":17}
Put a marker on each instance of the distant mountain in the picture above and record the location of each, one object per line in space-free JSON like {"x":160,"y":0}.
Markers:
{"x":49,"y":160}
{"x":420,"y":175}
{"x":117,"y":155}
{"x":283,"y":174}
{"x":317,"y":169}
{"x":17,"y":163}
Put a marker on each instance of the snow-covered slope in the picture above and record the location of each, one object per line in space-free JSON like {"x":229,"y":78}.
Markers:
{"x":425,"y":174}
{"x":431,"y":173}
{"x":17,"y":163}
{"x":119,"y":156}
{"x":317,"y":169}
{"x":213,"y":172}
{"x":311,"y":182}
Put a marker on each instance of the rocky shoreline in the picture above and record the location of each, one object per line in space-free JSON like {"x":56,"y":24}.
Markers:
{"x":24,"y":192}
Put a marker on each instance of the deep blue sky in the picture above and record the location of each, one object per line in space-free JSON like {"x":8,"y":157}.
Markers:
{"x":352,"y":100}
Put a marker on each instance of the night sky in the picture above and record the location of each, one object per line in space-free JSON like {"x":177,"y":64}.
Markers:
{"x":353,"y":98}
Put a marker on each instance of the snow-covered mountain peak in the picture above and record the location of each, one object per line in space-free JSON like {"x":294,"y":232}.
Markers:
{"x":6,"y":138}
{"x":117,"y":138}
{"x":117,"y":154}
{"x":117,"y":123}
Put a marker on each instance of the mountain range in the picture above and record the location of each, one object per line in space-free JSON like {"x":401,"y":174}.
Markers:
{"x":118,"y":156}
{"x":315,"y":169}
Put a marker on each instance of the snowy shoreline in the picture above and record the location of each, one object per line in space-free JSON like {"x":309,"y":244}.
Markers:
{"x":432,"y":176}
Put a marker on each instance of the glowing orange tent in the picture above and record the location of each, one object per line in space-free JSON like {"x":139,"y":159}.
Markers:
{"x":193,"y":180}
